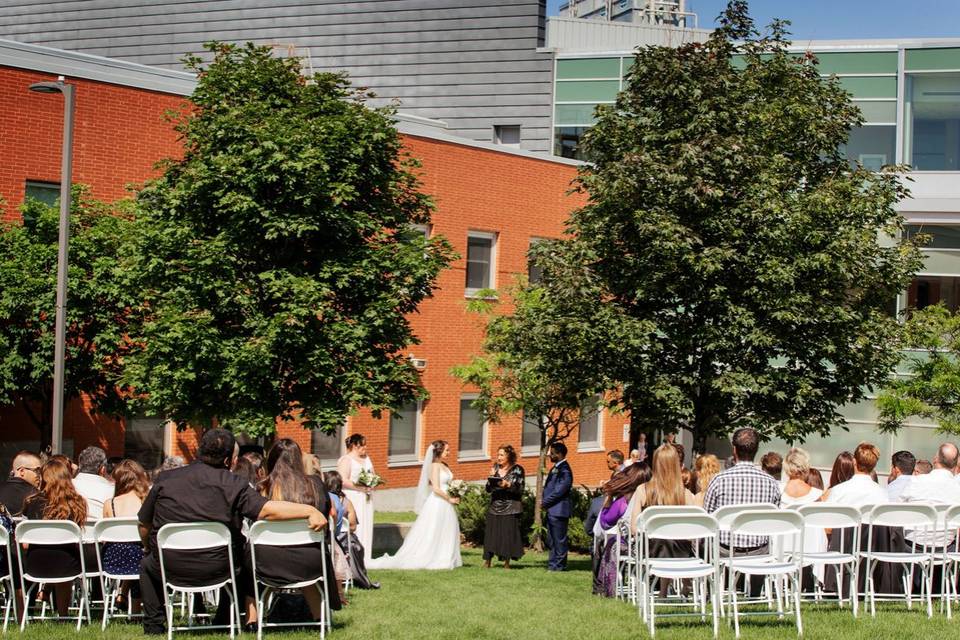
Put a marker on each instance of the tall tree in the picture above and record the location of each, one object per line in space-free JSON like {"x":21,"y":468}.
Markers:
{"x":723,"y":214}
{"x":275,"y":259}
{"x":97,"y":306}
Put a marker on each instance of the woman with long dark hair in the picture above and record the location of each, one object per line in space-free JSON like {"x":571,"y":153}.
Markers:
{"x":617,"y":492}
{"x":57,"y":499}
{"x":285,"y":480}
{"x":433,"y":541}
{"x":501,"y":534}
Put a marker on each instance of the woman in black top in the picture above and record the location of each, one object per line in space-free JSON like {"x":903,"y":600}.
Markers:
{"x":279,"y":566}
{"x":56,"y":500}
{"x":501,"y":535}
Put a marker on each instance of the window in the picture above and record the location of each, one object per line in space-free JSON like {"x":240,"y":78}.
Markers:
{"x":872,"y":146}
{"x":590,"y":426}
{"x":925,"y":291}
{"x":473,"y":431}
{"x":481,"y":247}
{"x":507,"y":135}
{"x":938,"y":236}
{"x":932,"y":121}
{"x":534,"y":273}
{"x":45,"y":192}
{"x":530,"y":436}
{"x":566,"y":142}
{"x":143,"y":440}
{"x":403,"y":444}
{"x":415,"y":231}
{"x":327,"y":446}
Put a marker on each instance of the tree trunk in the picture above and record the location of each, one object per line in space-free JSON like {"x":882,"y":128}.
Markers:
{"x":537,"y":542}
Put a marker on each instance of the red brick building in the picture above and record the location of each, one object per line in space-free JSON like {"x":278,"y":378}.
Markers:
{"x":493,"y":201}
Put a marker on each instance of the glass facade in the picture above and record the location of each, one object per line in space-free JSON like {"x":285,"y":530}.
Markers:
{"x":932,"y":121}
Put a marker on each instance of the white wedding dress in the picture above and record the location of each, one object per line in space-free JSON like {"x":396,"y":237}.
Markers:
{"x":433,"y":541}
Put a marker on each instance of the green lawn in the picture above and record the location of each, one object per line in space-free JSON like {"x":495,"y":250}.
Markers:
{"x":529,"y":603}
{"x":380,"y":517}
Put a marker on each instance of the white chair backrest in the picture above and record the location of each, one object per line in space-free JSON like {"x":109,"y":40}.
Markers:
{"x":725,"y":515}
{"x":4,"y":537}
{"x":48,"y":532}
{"x":659,"y":510}
{"x":681,"y":526}
{"x":767,"y":522}
{"x":913,"y":515}
{"x":951,"y":518}
{"x":283,"y":534}
{"x":193,"y":535}
{"x":830,"y":516}
{"x":117,"y":530}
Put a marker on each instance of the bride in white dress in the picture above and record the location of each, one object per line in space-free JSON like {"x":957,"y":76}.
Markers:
{"x":433,"y":541}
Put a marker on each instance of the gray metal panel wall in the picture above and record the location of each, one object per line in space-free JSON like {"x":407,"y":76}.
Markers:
{"x":471,"y":63}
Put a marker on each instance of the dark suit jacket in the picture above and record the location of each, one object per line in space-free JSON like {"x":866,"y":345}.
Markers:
{"x":595,"y":506}
{"x":556,"y":491}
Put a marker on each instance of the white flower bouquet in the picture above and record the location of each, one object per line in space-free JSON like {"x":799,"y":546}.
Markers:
{"x":457,"y":488}
{"x":369,"y":479}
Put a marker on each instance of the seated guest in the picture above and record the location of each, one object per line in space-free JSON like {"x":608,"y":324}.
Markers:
{"x":772,"y":464}
{"x":615,"y":460}
{"x":312,"y":466}
{"x":90,"y":482}
{"x":617,"y":494}
{"x":815,"y":478}
{"x":22,"y":482}
{"x":110,"y":465}
{"x":743,"y":483}
{"x":936,"y":487}
{"x":665,"y":486}
{"x":922,"y":467}
{"x":796,"y":492}
{"x":278,"y":566}
{"x":860,"y":489}
{"x":131,"y":487}
{"x":249,"y":466}
{"x":689,"y":479}
{"x":902,"y":464}
{"x":204,"y":491}
{"x":343,"y":515}
{"x":843,"y":468}
{"x":705,"y":467}
{"x":57,"y":499}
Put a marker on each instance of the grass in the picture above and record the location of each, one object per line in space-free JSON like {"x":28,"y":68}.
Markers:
{"x":528,"y":603}
{"x":381,"y":517}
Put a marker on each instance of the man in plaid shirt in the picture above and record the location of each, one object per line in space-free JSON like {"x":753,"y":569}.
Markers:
{"x":743,"y":483}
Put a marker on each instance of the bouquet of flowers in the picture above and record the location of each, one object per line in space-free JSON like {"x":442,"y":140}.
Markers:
{"x":457,"y":488}
{"x":369,"y":479}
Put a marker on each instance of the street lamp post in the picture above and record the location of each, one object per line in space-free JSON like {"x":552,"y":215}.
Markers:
{"x":66,"y":170}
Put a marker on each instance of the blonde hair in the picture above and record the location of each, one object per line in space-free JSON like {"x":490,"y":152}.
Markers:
{"x":666,"y":484}
{"x":706,"y":467}
{"x":797,"y":463}
{"x":311,"y":465}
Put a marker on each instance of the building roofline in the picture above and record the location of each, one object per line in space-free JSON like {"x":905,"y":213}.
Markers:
{"x":72,"y":64}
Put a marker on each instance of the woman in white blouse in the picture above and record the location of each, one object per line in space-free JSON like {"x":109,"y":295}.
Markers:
{"x":798,"y":492}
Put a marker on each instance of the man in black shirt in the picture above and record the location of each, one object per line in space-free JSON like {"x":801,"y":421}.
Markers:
{"x":22,"y":483}
{"x":204,"y":491}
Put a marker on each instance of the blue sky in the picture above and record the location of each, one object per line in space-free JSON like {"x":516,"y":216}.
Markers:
{"x":832,"y":19}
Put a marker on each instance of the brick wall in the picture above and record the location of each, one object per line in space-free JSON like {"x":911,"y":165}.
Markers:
{"x":121,"y":133}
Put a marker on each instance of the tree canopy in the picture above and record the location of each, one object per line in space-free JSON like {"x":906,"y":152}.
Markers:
{"x":746,"y":262}
{"x":274,"y":259}
{"x":97,"y":306}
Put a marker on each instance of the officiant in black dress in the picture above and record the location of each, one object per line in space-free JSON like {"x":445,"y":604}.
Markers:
{"x":502,"y":536}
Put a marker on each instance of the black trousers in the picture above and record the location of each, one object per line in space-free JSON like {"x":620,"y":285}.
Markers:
{"x":187,"y":569}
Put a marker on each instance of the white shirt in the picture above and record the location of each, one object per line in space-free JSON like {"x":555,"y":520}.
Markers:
{"x":936,"y":487}
{"x":895,"y":488}
{"x":96,"y":490}
{"x":857,"y":491}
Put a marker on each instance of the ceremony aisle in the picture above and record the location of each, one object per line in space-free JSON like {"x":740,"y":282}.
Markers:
{"x":528,"y":603}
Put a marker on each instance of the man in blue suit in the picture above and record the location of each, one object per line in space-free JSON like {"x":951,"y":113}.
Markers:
{"x":556,"y":502}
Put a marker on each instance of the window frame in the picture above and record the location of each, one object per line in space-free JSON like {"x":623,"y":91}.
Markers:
{"x":591,"y":446}
{"x":342,"y":430}
{"x":527,"y":451}
{"x":492,"y":236}
{"x":407,"y":459}
{"x":479,"y":455}
{"x":498,"y":131}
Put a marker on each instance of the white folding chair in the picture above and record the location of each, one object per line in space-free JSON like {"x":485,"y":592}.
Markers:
{"x":775,"y":524}
{"x":701,"y":530}
{"x":348,"y":580}
{"x":7,"y":579}
{"x":287,"y":534}
{"x":951,"y":559}
{"x":725,"y":516}
{"x":917,"y":517}
{"x":839,"y":518}
{"x":639,"y":550}
{"x":114,"y":531}
{"x":50,"y":533}
{"x":196,"y":536}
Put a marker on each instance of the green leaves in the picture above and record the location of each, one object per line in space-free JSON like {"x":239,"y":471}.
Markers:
{"x":274,"y":261}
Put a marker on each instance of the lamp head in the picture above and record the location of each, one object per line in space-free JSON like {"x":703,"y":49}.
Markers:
{"x":47,"y":87}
